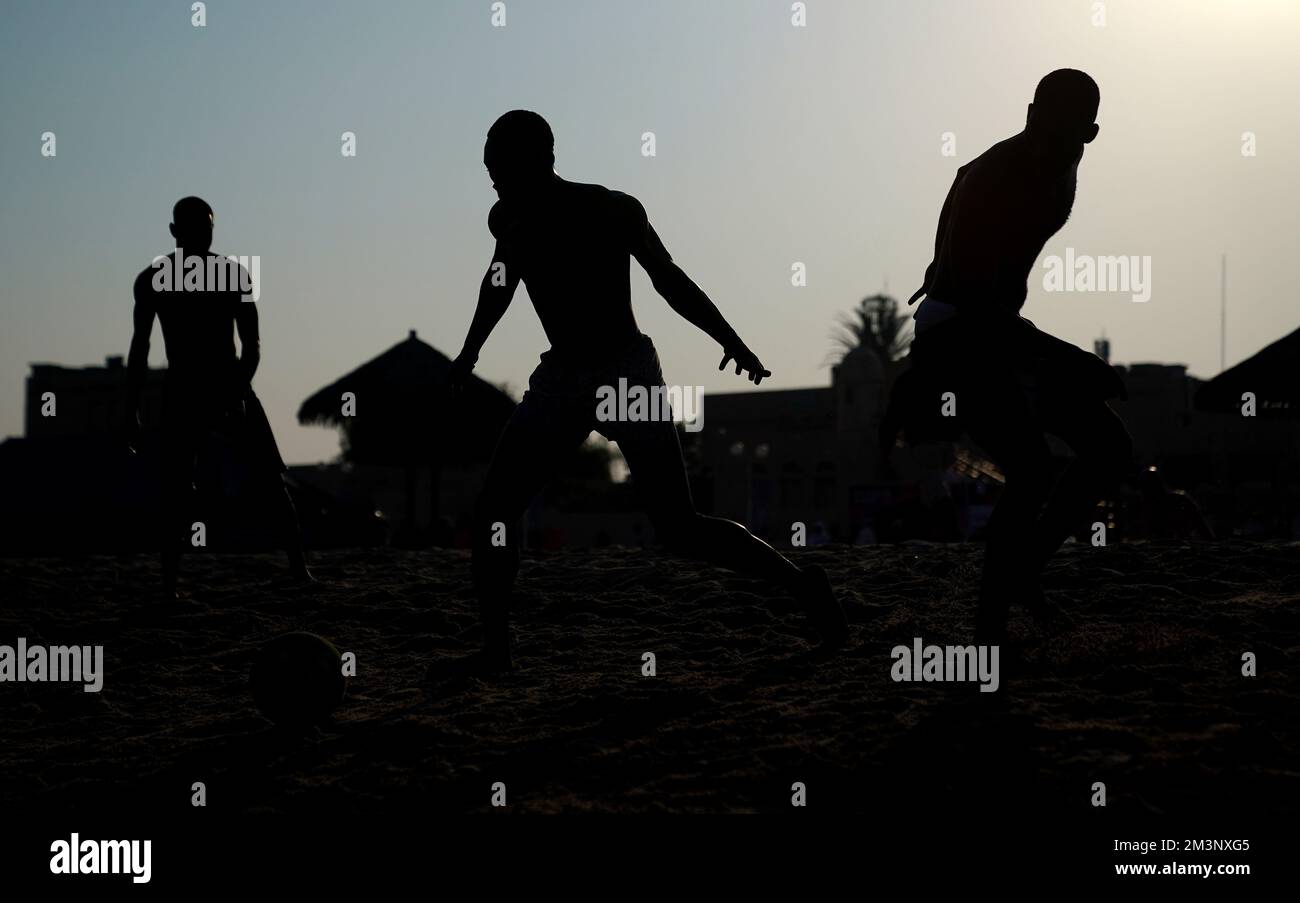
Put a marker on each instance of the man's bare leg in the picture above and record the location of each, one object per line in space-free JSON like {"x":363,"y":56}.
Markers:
{"x":654,"y":456}
{"x":1103,"y":456}
{"x":1001,"y":423}
{"x":531,"y":450}
{"x":290,"y":532}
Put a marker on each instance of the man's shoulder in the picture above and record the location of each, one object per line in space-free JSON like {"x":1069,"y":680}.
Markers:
{"x":233,"y":281}
{"x":1009,"y":156}
{"x":1005,"y":171}
{"x":601,"y":195}
{"x":159,"y":260}
{"x":234,"y":265}
{"x":586,"y":189}
{"x":143,"y":286}
{"x":625,"y":207}
{"x":614,"y":196}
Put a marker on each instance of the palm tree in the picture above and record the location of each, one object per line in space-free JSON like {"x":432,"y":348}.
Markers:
{"x":876,"y":323}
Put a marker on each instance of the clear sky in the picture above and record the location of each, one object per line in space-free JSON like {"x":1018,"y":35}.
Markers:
{"x":774,"y":144}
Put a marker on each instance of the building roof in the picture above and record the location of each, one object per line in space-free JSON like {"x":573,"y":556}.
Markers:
{"x":1272,"y":374}
{"x":405,"y":411}
{"x":112,"y":373}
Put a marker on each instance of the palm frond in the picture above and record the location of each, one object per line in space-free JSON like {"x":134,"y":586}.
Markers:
{"x":877,"y":323}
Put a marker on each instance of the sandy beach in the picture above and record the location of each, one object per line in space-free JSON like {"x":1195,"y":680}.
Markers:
{"x":1144,"y":691}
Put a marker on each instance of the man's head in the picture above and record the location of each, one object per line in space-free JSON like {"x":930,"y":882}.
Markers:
{"x":191,"y":225}
{"x":519,"y":153}
{"x":1062,"y":117}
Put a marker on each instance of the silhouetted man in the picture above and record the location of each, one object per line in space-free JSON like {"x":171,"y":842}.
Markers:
{"x":208,"y":390}
{"x":1013,"y":383}
{"x":571,"y":244}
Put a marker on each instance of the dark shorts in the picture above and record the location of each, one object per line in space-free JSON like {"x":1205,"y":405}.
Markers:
{"x":994,"y":369}
{"x":208,"y":439}
{"x":565,"y":388}
{"x":964,"y":358}
{"x":559,"y":411}
{"x":1011,"y":384}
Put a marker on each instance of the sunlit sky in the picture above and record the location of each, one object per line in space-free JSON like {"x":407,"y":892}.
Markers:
{"x":774,"y":144}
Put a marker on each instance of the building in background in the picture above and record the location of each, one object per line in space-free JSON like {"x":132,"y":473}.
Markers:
{"x":71,"y":484}
{"x":417,"y":454}
{"x":413,"y":461}
{"x":414,"y":450}
{"x":770,"y":459}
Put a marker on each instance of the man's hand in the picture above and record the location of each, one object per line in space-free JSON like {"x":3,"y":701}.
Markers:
{"x":747,"y":361}
{"x":461,"y":368}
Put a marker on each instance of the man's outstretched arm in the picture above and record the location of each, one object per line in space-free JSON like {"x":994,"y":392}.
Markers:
{"x":495,"y":293}
{"x":684,"y":296}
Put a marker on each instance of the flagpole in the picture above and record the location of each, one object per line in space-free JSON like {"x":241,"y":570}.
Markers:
{"x":1223,"y":312}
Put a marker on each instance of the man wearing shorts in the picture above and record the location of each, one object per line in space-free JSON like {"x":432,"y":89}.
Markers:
{"x":1013,"y":383}
{"x":571,"y":244}
{"x":208,"y":396}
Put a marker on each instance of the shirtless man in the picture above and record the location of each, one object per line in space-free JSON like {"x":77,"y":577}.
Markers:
{"x":1014,"y":383}
{"x":207,"y":389}
{"x":571,"y":245}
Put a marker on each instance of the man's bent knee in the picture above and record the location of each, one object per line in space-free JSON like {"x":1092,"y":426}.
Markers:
{"x":678,"y":532}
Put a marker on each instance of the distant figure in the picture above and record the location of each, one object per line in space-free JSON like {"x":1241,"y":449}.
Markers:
{"x":571,"y":245}
{"x":1011,"y":383}
{"x":208,"y":388}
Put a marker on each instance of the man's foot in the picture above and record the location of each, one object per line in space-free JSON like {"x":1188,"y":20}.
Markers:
{"x":1046,"y":613}
{"x":298,"y":566}
{"x":991,"y":621}
{"x":162,"y":603}
{"x":990,"y":632}
{"x":823,"y":610}
{"x":483,"y":663}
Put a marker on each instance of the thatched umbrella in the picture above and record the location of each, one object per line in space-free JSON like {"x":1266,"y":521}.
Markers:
{"x":405,"y":415}
{"x":1273,"y":375}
